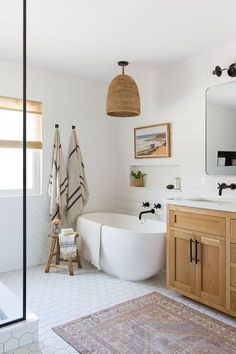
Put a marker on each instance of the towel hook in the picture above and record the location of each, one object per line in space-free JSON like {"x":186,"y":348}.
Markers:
{"x":73,"y":126}
{"x":56,"y":125}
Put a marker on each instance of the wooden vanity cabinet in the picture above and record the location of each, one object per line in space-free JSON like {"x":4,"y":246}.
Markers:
{"x":201,"y":256}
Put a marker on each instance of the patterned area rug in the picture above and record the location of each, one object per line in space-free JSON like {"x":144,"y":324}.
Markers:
{"x":153,"y":324}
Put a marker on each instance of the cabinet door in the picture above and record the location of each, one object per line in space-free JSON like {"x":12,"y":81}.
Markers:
{"x":210,"y":269}
{"x":182,"y":270}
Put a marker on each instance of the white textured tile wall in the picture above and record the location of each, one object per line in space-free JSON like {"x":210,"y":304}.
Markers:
{"x":67,"y":100}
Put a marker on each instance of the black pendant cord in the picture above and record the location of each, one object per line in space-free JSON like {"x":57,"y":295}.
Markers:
{"x":123,"y":63}
{"x":24,"y":153}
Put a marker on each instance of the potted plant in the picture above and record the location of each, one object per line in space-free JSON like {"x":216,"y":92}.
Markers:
{"x":138,"y":178}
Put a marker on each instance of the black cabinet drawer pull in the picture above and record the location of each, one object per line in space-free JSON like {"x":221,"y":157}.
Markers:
{"x":191,"y":250}
{"x":196,"y":250}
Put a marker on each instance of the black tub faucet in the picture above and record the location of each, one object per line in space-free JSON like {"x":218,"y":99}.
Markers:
{"x":222,"y":186}
{"x":157,"y":206}
{"x":151,"y":211}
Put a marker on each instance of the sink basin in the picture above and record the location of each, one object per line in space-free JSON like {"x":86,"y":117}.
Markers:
{"x":203,"y":200}
{"x":207,"y":200}
{"x":213,"y":203}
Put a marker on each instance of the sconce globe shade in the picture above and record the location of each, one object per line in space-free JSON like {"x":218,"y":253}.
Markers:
{"x":232,"y":70}
{"x":123,"y":98}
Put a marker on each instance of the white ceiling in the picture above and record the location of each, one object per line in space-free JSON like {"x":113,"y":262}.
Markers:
{"x":88,"y":37}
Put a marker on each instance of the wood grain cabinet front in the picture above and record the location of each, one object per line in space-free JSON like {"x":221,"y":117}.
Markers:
{"x":182,"y":268}
{"x":233,"y":301}
{"x":211,"y":270}
{"x":233,"y":274}
{"x":209,"y":224}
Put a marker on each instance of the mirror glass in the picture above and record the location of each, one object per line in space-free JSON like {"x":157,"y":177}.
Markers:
{"x":221,"y":129}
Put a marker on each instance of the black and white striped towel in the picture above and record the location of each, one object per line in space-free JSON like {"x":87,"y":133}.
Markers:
{"x":58,"y":183}
{"x":77,"y":189}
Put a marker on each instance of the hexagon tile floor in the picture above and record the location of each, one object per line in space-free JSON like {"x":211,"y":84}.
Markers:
{"x":57,"y":298}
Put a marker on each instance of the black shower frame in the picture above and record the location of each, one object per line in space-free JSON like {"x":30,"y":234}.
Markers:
{"x":24,"y":187}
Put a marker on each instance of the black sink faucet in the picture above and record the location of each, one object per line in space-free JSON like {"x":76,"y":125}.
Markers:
{"x":222,"y":186}
{"x":151,"y":211}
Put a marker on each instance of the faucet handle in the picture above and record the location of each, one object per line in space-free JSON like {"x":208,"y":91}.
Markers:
{"x":145,"y":204}
{"x":221,"y":185}
{"x":157,"y":206}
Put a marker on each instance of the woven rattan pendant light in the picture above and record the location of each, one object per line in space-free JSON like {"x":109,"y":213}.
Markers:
{"x":123,"y":97}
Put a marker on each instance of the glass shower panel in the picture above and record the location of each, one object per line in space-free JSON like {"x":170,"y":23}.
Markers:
{"x":12,"y":251}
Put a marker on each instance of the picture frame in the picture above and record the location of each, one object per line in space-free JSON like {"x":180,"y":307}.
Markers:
{"x":152,"y":141}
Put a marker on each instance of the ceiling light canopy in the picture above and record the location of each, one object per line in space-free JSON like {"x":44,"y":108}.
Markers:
{"x":123,"y":98}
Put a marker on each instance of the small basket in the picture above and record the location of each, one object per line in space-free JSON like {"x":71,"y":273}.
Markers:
{"x":137,"y":182}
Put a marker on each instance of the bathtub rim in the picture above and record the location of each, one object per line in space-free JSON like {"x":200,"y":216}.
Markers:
{"x":119,"y":228}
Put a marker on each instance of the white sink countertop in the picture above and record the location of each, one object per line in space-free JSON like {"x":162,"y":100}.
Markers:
{"x":214,"y":203}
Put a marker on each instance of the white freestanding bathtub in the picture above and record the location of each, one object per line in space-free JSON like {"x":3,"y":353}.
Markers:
{"x":122,"y":245}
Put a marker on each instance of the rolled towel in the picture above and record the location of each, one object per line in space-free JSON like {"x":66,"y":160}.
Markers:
{"x":67,"y":231}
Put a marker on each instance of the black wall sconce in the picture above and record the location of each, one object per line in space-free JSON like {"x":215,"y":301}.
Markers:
{"x":231,"y":70}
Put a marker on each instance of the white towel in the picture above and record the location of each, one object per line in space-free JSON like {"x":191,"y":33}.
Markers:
{"x":67,"y":231}
{"x":77,"y":189}
{"x":67,"y":245}
{"x":89,"y":241}
{"x":58,"y":183}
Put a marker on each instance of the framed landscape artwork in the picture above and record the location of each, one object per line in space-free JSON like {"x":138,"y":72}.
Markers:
{"x":152,"y":141}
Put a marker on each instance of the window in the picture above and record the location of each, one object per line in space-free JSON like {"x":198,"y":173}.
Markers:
{"x":11,"y":155}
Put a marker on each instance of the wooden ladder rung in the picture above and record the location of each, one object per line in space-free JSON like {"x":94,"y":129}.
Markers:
{"x":59,"y":266}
